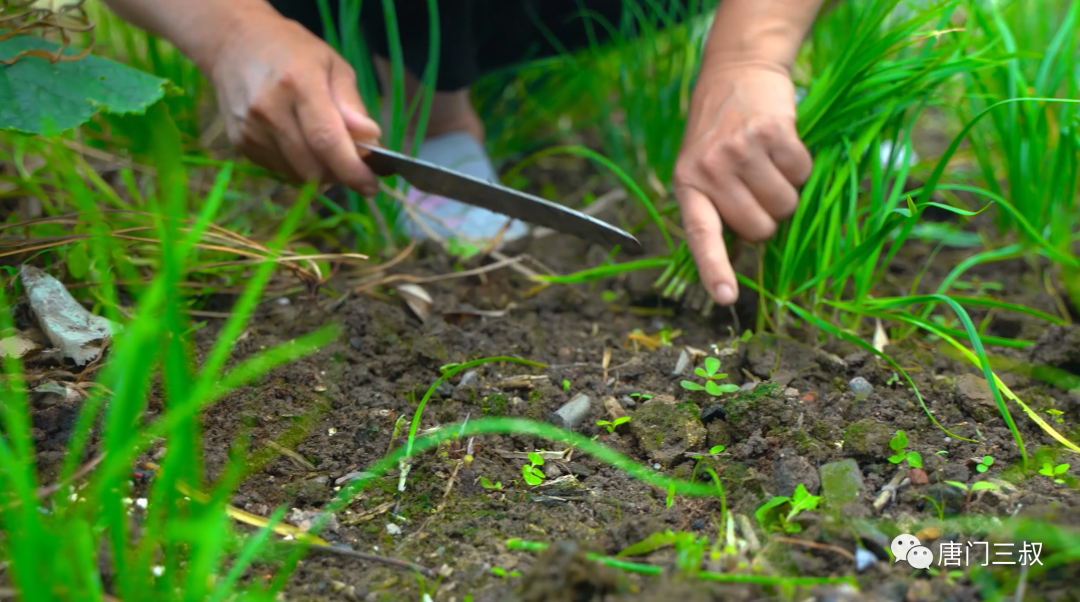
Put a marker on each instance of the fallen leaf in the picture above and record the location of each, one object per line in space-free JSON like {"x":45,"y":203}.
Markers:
{"x":68,"y":325}
{"x":613,"y":407}
{"x":55,"y":392}
{"x":881,"y":340}
{"x":418,"y":300}
{"x":17,"y":346}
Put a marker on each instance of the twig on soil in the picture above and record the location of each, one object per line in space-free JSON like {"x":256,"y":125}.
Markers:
{"x":402,"y":564}
{"x":816,"y":545}
{"x":84,"y":470}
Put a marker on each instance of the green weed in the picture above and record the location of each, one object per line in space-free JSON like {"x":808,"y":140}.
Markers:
{"x":1054,"y":471}
{"x":771,"y":514}
{"x":710,"y":373}
{"x":899,"y":444}
{"x":531,"y":472}
{"x":611,"y":425}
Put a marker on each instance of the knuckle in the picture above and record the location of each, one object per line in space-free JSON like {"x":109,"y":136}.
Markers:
{"x":765,"y":130}
{"x":736,"y":149}
{"x":290,"y":79}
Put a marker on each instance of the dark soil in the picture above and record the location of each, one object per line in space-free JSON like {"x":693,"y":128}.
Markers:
{"x":337,"y":409}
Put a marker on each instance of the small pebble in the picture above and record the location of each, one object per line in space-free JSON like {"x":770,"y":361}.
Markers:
{"x":572,"y":413}
{"x":864,"y":559}
{"x":656,"y":466}
{"x":393,"y":529}
{"x":791,"y":392}
{"x":356,"y":342}
{"x":628,"y":402}
{"x":711,"y":413}
{"x":861,"y":388}
{"x":748,"y":386}
{"x":469,"y":379}
{"x":445,"y":389}
{"x":698,"y":524}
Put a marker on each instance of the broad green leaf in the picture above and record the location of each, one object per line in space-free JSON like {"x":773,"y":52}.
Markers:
{"x":712,"y":388}
{"x":981,"y":485}
{"x":1061,"y":468}
{"x":712,"y":365}
{"x":691,"y":386}
{"x":899,"y":442}
{"x":914,"y":459}
{"x":536,"y":459}
{"x":39,"y":97}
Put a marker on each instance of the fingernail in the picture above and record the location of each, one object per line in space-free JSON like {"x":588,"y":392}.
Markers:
{"x":725,"y":295}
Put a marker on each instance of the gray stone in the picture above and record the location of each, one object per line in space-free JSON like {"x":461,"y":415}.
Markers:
{"x":861,"y":388}
{"x":950,"y":498}
{"x":841,"y":483}
{"x":445,"y":389}
{"x":572,"y":413}
{"x":469,"y":379}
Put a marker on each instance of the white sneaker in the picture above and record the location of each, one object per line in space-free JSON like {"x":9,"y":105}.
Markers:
{"x":462,"y":153}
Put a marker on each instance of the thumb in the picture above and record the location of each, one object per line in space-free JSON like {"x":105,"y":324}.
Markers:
{"x":346,"y":96}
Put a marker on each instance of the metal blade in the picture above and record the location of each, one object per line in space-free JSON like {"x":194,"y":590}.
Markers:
{"x":433,"y":179}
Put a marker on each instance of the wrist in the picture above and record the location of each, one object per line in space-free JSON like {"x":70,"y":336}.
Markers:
{"x":205,"y":29}
{"x":759,"y":33}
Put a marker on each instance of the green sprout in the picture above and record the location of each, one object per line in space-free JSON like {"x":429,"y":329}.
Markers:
{"x":985,"y":464}
{"x":893,"y":380}
{"x":711,"y":374}
{"x":487,"y":484}
{"x":531,"y":471}
{"x":976,"y":486}
{"x":501,"y":572}
{"x":611,"y":425}
{"x":609,"y":296}
{"x":566,"y":384}
{"x":641,"y":396}
{"x":1056,"y":413}
{"x":1054,"y":472}
{"x":899,"y":443}
{"x":770,"y":517}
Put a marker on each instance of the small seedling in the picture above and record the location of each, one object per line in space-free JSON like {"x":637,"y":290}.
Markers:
{"x":976,"y":486}
{"x":893,"y":380}
{"x":899,"y":444}
{"x":711,"y":374}
{"x":640,"y":396}
{"x":1054,"y":472}
{"x":609,"y":296}
{"x":714,"y":450}
{"x":531,"y":471}
{"x":984,"y":464}
{"x":611,"y":425}
{"x":487,"y":484}
{"x":501,"y":572}
{"x":941,"y":452}
{"x":1056,"y":413}
{"x":566,"y":384}
{"x":769,"y":517}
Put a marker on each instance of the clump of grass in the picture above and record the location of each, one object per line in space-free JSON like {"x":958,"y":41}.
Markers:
{"x":184,"y":548}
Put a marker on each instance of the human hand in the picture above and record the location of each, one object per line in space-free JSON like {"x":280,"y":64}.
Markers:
{"x":739,"y":166}
{"x":290,"y":102}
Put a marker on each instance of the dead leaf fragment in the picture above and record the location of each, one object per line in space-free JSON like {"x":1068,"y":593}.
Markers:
{"x":881,"y":339}
{"x":418,"y":300}
{"x":17,"y":346}
{"x":78,"y":333}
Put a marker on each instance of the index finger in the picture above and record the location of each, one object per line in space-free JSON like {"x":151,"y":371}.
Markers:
{"x":328,"y":137}
{"x":705,"y":237}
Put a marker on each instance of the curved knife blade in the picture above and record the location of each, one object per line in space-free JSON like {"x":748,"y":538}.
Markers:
{"x":433,"y":179}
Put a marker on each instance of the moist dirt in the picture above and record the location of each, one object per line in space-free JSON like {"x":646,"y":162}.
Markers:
{"x":314,"y":423}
